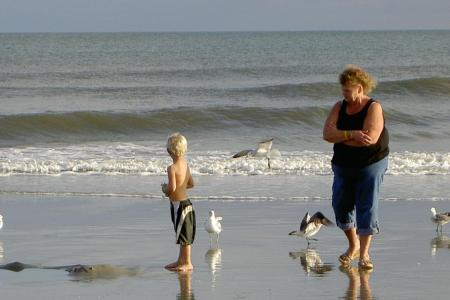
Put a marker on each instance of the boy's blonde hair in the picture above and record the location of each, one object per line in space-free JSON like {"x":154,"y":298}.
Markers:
{"x":177,"y":144}
{"x":355,"y":75}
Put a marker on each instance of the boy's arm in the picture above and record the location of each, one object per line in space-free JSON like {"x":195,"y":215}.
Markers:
{"x":172,"y":184}
{"x":190,"y":183}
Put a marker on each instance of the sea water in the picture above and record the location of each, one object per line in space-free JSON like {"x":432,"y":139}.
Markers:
{"x":84,"y":119}
{"x":105,"y":103}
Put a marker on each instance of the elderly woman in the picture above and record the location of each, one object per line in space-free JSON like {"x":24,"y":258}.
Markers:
{"x":356,"y":127}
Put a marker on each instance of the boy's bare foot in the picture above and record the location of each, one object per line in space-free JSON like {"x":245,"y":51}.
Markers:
{"x":184,"y":268}
{"x":172,"y":266}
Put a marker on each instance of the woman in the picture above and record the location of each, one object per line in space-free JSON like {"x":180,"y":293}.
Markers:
{"x":356,"y":127}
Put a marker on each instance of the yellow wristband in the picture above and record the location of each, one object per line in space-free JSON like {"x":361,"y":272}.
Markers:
{"x":345,"y":135}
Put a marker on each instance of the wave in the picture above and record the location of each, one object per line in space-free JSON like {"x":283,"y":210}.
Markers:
{"x":139,"y":161}
{"x":223,"y":88}
{"x":91,"y":125}
{"x":429,"y":87}
{"x":433,"y":86}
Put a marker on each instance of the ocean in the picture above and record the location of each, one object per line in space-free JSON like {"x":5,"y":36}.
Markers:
{"x":104,"y":103}
{"x":84,"y":118}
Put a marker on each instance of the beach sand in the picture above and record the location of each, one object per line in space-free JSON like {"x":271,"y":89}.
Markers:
{"x":80,"y":223}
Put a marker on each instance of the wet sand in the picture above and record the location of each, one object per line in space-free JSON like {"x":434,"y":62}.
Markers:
{"x":256,"y":259}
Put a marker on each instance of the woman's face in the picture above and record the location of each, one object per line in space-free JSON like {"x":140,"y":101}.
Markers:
{"x":351,"y":92}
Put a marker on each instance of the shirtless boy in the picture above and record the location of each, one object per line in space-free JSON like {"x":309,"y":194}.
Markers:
{"x":182,"y":212}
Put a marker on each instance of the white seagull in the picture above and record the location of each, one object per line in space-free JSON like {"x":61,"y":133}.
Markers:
{"x":311,"y":225}
{"x":264,"y":149}
{"x":439,"y":218}
{"x":213,"y":226}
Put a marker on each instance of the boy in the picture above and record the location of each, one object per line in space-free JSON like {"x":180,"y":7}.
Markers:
{"x":182,"y":212}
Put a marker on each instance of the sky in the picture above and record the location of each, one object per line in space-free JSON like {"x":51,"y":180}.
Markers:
{"x":221,"y":15}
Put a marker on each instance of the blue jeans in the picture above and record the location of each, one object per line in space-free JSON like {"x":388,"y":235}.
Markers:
{"x":356,"y":190}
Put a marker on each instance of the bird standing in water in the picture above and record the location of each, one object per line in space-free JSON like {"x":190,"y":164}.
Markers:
{"x":311,"y":225}
{"x":439,"y":218}
{"x":213,"y":226}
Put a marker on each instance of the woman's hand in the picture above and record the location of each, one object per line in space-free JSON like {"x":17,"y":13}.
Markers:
{"x":361,"y":137}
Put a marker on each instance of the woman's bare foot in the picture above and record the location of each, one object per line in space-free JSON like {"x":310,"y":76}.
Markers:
{"x":348,"y":256}
{"x":353,"y":252}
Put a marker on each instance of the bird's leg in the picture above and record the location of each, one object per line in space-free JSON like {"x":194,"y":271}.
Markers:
{"x":268,"y":162}
{"x":217,"y":240}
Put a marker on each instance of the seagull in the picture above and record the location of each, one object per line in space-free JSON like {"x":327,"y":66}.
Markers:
{"x":311,"y":225}
{"x":213,"y":226}
{"x":439,"y":218}
{"x":264,"y":149}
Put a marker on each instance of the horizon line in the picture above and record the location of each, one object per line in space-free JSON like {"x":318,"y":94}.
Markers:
{"x":229,"y":31}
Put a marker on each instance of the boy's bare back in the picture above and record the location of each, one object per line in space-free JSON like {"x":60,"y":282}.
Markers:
{"x":180,"y":179}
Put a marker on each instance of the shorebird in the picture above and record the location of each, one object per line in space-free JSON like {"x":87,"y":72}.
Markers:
{"x":311,"y":225}
{"x":439,"y":218}
{"x":213,"y":226}
{"x":1,"y":221}
{"x":264,"y":149}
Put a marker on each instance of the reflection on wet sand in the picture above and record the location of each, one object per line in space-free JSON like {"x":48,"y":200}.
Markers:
{"x":213,"y":258}
{"x":2,"y":252}
{"x":311,"y":262}
{"x":358,"y":281}
{"x":441,"y":241}
{"x":186,"y":292}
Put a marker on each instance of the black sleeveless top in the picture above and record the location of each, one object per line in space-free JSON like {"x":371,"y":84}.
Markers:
{"x":350,"y":156}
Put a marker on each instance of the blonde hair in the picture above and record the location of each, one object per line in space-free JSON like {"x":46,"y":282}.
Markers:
{"x":177,"y":144}
{"x":354,"y":75}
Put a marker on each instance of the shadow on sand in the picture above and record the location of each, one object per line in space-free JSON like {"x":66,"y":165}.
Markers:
{"x":78,"y":272}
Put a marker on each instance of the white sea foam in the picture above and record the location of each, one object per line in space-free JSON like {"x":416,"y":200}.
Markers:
{"x":131,"y":159}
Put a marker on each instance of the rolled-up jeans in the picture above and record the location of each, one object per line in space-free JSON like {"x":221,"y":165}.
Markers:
{"x":356,"y":192}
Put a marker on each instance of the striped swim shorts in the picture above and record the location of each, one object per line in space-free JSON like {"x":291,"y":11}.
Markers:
{"x":183,"y":219}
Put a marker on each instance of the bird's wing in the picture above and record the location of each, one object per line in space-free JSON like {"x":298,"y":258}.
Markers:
{"x":219,"y":218}
{"x":219,"y":226}
{"x":304,"y":222}
{"x":318,"y":217}
{"x":264,"y":146}
{"x":209,"y":226}
{"x":242,"y":153}
{"x":443,"y":217}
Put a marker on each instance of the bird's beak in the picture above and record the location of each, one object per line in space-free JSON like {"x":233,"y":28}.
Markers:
{"x":292,"y":233}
